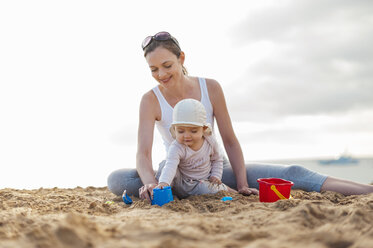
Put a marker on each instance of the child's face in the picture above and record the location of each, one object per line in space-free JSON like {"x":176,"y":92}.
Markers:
{"x":189,"y":135}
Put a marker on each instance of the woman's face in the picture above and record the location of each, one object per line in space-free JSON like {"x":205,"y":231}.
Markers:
{"x":165,"y":67}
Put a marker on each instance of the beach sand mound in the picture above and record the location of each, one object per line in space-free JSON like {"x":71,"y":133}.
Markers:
{"x":94,"y":217}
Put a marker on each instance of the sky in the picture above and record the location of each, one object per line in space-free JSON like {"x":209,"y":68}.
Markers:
{"x":297,"y":78}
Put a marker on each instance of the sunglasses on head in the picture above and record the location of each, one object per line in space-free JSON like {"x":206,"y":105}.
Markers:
{"x":161,"y":36}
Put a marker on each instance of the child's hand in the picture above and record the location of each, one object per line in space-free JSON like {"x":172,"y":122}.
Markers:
{"x":161,"y":185}
{"x":214,"y":180}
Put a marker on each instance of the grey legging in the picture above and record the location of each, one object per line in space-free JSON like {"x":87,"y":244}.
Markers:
{"x":128,"y":179}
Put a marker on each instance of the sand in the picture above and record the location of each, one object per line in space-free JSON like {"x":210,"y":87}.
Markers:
{"x":80,"y":217}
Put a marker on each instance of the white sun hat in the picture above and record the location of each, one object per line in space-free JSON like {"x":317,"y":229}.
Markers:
{"x":189,"y":112}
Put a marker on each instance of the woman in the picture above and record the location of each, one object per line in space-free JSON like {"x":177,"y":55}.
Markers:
{"x":166,"y":62}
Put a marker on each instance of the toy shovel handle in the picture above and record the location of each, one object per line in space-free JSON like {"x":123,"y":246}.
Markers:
{"x":273,"y":188}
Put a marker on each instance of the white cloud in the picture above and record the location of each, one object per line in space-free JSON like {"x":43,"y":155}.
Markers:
{"x":319,"y":60}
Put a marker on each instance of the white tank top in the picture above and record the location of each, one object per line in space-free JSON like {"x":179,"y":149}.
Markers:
{"x":164,"y":124}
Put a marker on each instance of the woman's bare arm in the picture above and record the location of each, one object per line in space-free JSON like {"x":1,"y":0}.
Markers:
{"x":231,"y":144}
{"x":145,"y":143}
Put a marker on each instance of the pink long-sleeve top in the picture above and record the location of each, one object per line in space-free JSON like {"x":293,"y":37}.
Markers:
{"x":197,"y":165}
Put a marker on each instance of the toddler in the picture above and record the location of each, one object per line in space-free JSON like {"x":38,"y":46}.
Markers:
{"x":194,"y":163}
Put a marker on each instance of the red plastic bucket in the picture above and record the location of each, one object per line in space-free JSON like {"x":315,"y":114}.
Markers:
{"x":274,"y":189}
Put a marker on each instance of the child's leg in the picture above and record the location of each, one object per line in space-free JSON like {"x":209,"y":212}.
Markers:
{"x":182,"y":187}
{"x":206,"y":187}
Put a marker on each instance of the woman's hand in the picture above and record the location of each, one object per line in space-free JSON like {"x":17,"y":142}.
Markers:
{"x":214,"y":180}
{"x":248,"y":191}
{"x":146,"y":191}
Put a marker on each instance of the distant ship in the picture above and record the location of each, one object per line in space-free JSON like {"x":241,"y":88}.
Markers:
{"x":344,"y":159}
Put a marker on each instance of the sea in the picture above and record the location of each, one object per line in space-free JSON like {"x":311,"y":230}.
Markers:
{"x":361,"y":171}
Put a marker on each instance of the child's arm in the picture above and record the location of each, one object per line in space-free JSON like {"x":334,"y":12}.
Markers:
{"x":175,"y":152}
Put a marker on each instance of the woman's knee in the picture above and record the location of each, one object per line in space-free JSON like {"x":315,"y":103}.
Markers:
{"x":124,"y":179}
{"x":113,"y":182}
{"x":295,"y":171}
{"x":304,"y":178}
